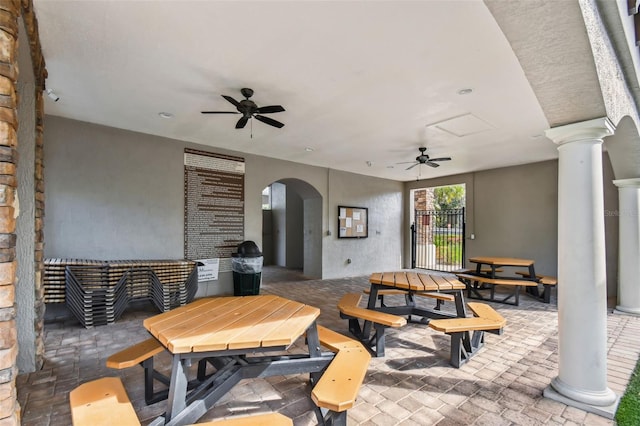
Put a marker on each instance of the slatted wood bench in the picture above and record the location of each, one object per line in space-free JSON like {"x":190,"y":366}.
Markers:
{"x":102,"y":402}
{"x":472,"y":282}
{"x":270,"y":419}
{"x":547,"y":282}
{"x":337,"y":389}
{"x":464,"y":344}
{"x":349,"y":309}
{"x":142,"y":353}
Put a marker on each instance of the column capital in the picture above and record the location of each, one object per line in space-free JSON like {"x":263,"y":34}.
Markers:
{"x":627,"y":183}
{"x":591,"y":130}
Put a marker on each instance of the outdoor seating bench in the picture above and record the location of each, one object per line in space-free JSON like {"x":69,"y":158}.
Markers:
{"x":547,"y":282}
{"x":472,"y":292}
{"x":337,"y":389}
{"x":101,"y":402}
{"x":349,"y":309}
{"x":142,"y":353}
{"x":463,"y":344}
{"x":104,"y":402}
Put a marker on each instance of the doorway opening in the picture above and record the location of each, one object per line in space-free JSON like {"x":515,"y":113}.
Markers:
{"x":291,"y":231}
{"x":438,"y":228}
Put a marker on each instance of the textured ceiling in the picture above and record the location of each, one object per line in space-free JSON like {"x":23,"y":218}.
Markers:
{"x":361,"y":82}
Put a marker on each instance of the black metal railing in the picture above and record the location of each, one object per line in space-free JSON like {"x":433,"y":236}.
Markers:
{"x":437,"y":239}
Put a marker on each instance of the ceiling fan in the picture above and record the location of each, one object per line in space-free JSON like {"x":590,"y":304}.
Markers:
{"x":424,"y":159}
{"x":249,"y":109}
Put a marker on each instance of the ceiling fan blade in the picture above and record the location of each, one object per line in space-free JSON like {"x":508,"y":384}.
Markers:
{"x":220,"y":112}
{"x":429,"y":163}
{"x":407,"y":162}
{"x":440,"y":159}
{"x":270,"y":109}
{"x":411,"y":167}
{"x":269,"y":121}
{"x":233,"y":101}
{"x":242,"y":122}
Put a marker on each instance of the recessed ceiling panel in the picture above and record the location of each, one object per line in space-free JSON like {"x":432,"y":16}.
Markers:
{"x":462,"y":125}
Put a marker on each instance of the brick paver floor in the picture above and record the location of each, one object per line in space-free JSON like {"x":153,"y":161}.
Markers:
{"x":412,"y":385}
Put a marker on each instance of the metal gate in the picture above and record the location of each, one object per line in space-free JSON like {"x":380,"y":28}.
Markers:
{"x":437,"y":240}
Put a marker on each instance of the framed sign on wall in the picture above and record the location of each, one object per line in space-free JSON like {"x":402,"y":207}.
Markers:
{"x":352,"y":222}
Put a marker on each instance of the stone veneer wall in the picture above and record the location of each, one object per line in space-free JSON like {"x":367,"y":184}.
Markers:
{"x":10,"y":12}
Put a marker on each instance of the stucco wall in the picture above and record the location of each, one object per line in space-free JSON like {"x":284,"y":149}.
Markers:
{"x":115,"y":194}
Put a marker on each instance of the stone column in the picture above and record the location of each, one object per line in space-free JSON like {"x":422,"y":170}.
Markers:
{"x":582,"y":298}
{"x":629,"y":245}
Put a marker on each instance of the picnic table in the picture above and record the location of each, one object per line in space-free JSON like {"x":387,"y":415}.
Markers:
{"x":416,"y":284}
{"x":488,"y":275}
{"x":222,"y":332}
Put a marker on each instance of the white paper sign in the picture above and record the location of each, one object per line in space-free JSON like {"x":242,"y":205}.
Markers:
{"x":208,"y":269}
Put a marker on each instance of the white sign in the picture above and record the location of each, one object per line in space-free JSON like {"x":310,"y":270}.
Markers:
{"x":208,"y":269}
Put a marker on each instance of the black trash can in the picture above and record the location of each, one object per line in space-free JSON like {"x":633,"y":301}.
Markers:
{"x":246,"y":265}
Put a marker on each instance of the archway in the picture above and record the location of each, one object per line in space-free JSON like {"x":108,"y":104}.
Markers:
{"x":292,"y":227}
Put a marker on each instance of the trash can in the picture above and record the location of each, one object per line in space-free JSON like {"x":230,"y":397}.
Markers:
{"x":246,"y":265}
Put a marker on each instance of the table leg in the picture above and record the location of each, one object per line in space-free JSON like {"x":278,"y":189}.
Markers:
{"x":461,"y":310}
{"x":313,"y":344}
{"x":177,"y":400}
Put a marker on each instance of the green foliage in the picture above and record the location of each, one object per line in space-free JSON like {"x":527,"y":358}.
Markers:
{"x":449,"y":197}
{"x":628,"y":413}
{"x":448,"y":249}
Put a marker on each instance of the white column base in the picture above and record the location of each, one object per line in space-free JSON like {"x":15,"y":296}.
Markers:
{"x":626,"y":311}
{"x":608,"y":411}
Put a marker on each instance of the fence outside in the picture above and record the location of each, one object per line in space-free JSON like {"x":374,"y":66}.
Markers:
{"x":437,"y":240}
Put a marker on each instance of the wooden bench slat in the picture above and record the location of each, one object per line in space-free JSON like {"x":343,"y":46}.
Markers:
{"x":544,"y":279}
{"x":482,"y":310}
{"x":346,"y":306}
{"x":102,"y":402}
{"x":497,"y":281}
{"x":135,"y":354}
{"x":456,"y":325}
{"x":340,"y":383}
{"x":334,"y":340}
{"x":271,"y":419}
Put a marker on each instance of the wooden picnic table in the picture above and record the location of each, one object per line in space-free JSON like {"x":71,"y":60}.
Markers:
{"x":414,"y":283}
{"x":487,"y":278}
{"x":222,"y":331}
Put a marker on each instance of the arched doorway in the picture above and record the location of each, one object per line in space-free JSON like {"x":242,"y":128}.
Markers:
{"x":292,"y":226}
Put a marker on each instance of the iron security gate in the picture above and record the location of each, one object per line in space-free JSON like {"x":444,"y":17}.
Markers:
{"x":437,"y":240}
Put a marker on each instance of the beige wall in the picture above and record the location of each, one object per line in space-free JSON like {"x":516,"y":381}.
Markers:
{"x":116,"y":194}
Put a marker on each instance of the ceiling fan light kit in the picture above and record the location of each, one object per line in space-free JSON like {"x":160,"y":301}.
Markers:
{"x":249,"y":109}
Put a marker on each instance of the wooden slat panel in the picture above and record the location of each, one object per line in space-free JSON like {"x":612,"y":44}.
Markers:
{"x":455,"y":325}
{"x":252,"y":337}
{"x":415,"y":283}
{"x":501,"y":261}
{"x":375,"y":278}
{"x":455,"y":283}
{"x":250,"y":317}
{"x":388,"y":278}
{"x":401,"y":280}
{"x":158,"y":322}
{"x":207,"y":335}
{"x":428,"y":282}
{"x":290,"y":330}
{"x":441,"y":282}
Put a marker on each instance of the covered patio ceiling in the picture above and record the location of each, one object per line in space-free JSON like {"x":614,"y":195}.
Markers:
{"x":364,"y":84}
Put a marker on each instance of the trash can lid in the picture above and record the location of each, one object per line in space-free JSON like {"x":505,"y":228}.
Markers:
{"x":248,"y":249}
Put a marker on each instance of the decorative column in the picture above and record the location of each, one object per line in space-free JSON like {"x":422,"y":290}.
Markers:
{"x":629,"y":245}
{"x":582,"y":297}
